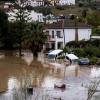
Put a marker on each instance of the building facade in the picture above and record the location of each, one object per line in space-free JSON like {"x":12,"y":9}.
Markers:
{"x":59,"y":35}
{"x":33,"y":16}
{"x":35,"y":3}
{"x":67,"y":2}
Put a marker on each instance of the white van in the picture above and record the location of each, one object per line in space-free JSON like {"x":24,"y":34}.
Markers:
{"x":55,"y":54}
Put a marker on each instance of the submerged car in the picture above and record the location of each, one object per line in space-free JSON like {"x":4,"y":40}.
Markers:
{"x":72,"y":58}
{"x":84,"y":61}
{"x":55,"y":54}
{"x":46,"y":54}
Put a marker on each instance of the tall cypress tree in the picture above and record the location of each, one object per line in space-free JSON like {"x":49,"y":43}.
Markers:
{"x":21,"y":16}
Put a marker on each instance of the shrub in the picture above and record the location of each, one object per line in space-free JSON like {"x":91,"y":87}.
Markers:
{"x":85,"y":48}
{"x":98,"y":61}
{"x":81,"y":4}
{"x":79,"y":52}
{"x":92,"y":51}
{"x":95,"y":60}
{"x":60,"y":7}
{"x":78,"y":44}
{"x":95,"y":43}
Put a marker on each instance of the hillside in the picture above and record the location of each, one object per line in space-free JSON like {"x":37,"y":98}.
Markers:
{"x":66,"y":10}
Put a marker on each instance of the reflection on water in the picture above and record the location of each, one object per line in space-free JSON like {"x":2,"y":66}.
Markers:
{"x":14,"y":69}
{"x":49,"y":82}
{"x":28,"y":57}
{"x":95,"y":72}
{"x":13,"y":83}
{"x":22,"y":72}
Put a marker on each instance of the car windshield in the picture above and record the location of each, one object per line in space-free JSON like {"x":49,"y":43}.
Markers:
{"x":51,"y":56}
{"x":84,"y":59}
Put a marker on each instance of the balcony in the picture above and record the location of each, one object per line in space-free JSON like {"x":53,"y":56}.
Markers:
{"x":51,"y":38}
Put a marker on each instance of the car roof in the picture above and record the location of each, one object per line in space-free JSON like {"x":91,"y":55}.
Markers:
{"x":71,"y":56}
{"x":55,"y":52}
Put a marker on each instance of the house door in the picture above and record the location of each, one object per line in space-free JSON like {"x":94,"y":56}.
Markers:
{"x":60,"y":45}
{"x":52,"y":45}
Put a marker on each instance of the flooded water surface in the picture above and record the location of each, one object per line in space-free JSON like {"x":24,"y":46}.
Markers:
{"x":17,"y":73}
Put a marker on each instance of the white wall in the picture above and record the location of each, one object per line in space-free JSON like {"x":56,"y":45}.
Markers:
{"x":36,"y":3}
{"x":69,"y":35}
{"x":84,"y":34}
{"x":55,"y":39}
{"x":33,"y":3}
{"x":36,"y":16}
{"x":68,"y":2}
{"x":33,"y":16}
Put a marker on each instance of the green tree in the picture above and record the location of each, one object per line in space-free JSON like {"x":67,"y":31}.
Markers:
{"x":14,"y":30}
{"x":94,"y":19}
{"x":36,"y":38}
{"x":21,"y":16}
{"x":4,"y":29}
{"x":44,"y":10}
{"x":96,"y":31}
{"x":8,"y":30}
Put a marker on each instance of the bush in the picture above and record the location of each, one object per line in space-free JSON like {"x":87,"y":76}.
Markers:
{"x":81,"y":4}
{"x":94,"y":60}
{"x":92,"y":51}
{"x":60,"y":7}
{"x":94,"y":42}
{"x":98,"y":61}
{"x":44,"y":10}
{"x":79,"y":52}
{"x":78,"y":44}
{"x":86,"y":49}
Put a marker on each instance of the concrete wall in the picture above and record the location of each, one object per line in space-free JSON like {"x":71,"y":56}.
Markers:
{"x":84,"y":34}
{"x":68,"y":2}
{"x":69,"y":35}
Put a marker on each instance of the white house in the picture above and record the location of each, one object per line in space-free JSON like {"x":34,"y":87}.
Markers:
{"x":35,"y":3}
{"x":67,"y":2}
{"x":62,"y":32}
{"x":36,"y":16}
{"x":33,"y":16}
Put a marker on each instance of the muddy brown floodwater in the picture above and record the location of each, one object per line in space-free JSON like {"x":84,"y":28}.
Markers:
{"x":21,"y":72}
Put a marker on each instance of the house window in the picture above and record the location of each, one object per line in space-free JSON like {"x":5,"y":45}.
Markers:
{"x":48,"y":36}
{"x":58,"y":33}
{"x":47,"y":32}
{"x":52,"y":34}
{"x":38,"y":17}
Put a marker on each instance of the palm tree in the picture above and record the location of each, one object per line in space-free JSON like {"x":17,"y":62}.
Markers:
{"x":36,"y":37}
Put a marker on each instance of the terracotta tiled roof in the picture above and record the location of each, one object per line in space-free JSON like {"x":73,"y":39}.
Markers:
{"x":67,"y":24}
